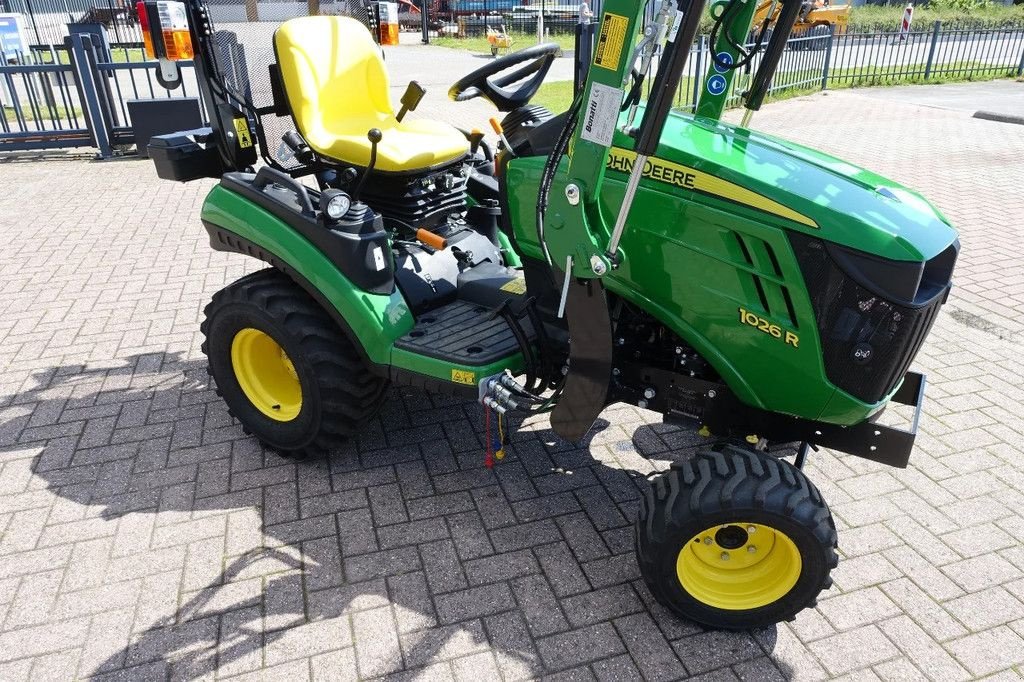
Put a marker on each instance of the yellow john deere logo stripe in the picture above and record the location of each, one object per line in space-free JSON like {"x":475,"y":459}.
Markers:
{"x":690,"y":178}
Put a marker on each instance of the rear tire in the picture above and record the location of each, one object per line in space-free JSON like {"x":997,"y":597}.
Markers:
{"x":284,"y":368}
{"x":697,"y":525}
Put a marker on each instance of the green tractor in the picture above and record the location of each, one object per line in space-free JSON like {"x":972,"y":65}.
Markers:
{"x":760,"y":292}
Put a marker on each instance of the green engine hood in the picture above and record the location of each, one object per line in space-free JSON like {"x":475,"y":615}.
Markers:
{"x":841,"y":202}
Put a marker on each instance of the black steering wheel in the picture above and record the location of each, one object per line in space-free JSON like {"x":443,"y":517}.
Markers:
{"x":485,"y":81}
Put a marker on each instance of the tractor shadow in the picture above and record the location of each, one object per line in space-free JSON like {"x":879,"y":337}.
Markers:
{"x":154,"y":437}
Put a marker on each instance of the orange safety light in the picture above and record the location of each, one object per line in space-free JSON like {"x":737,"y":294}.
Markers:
{"x":147,"y":40}
{"x":165,"y":30}
{"x":174,"y":24}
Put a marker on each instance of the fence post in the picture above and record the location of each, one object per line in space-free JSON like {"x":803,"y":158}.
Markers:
{"x":828,"y":56}
{"x":1020,"y":65}
{"x":425,"y":21}
{"x":87,"y":92}
{"x":698,"y":77}
{"x":936,"y":27}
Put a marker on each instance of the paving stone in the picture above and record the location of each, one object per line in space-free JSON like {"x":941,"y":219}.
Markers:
{"x":922,"y":650}
{"x":538,"y":605}
{"x":441,"y":566}
{"x":561,"y":569}
{"x":473,"y":603}
{"x":853,"y":609}
{"x":143,"y":535}
{"x":715,"y":649}
{"x":652,"y":654}
{"x":470,"y":537}
{"x":378,"y":564}
{"x":414,"y":608}
{"x":980,"y":572}
{"x":923,"y":610}
{"x":985,"y":609}
{"x":500,"y":567}
{"x":525,"y":535}
{"x":603,"y":604}
{"x":989,"y":651}
{"x":412,"y":533}
{"x":574,"y":647}
{"x":853,"y":649}
{"x":615,"y":669}
{"x":442,"y":643}
{"x":514,"y":649}
{"x":376,"y":640}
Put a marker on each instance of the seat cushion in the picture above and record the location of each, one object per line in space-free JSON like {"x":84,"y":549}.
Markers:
{"x":406,"y":146}
{"x":337,"y":89}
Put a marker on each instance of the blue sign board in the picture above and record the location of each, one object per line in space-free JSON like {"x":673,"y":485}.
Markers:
{"x":717,"y":84}
{"x":12,"y":37}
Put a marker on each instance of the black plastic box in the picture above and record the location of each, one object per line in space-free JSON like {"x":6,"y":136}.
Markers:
{"x":185,"y":155}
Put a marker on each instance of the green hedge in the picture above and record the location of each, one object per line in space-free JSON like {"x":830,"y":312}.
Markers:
{"x":952,"y":14}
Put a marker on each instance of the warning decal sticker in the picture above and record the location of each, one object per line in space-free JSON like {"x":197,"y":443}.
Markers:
{"x":515,"y":286}
{"x":610,"y":41}
{"x":461,"y":376}
{"x":242,"y":128}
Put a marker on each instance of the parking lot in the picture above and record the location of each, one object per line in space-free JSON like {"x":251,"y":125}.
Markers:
{"x":144,"y":536}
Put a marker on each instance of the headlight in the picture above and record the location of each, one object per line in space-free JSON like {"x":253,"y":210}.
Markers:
{"x":335,"y":203}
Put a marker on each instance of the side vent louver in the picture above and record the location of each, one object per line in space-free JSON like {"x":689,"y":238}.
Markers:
{"x":766,"y":275}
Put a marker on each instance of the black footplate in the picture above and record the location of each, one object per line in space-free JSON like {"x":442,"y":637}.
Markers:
{"x":463,"y":333}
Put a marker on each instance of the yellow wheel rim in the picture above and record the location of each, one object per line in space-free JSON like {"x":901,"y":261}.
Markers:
{"x":739,"y":566}
{"x":266,"y":374}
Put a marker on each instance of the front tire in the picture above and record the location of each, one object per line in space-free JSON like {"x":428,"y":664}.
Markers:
{"x":284,"y":368}
{"x":735,"y":539}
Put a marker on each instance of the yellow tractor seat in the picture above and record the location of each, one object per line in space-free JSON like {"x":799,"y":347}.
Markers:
{"x":337,"y":89}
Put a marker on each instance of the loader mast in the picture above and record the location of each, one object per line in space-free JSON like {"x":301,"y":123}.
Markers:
{"x":733,"y":51}
{"x":579,"y":238}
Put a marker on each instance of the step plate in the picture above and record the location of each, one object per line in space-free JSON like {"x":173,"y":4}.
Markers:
{"x":464,"y":334}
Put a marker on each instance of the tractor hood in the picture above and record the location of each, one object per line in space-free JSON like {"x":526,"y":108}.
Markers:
{"x":824,"y":196}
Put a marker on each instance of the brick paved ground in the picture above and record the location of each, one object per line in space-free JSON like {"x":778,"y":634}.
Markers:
{"x":143,"y":536}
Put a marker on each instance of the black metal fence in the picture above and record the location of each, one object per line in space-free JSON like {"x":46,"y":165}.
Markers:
{"x":47,"y":20}
{"x":79,"y":93}
{"x":471,"y":18}
{"x":823,"y":59}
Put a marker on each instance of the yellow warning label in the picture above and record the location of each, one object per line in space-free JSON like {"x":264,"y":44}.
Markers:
{"x":242,"y":128}
{"x":515,"y":286}
{"x":461,"y":376}
{"x":610,"y":41}
{"x":690,"y":178}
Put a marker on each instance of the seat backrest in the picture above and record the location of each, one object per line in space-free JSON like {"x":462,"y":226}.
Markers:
{"x":331,"y":70}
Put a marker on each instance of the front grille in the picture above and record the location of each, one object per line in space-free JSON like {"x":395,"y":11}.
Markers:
{"x":868,"y":341}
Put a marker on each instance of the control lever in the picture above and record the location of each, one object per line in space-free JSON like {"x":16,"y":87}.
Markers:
{"x":374,"y":136}
{"x":411,"y":99}
{"x":475,"y":138}
{"x":500,"y":132}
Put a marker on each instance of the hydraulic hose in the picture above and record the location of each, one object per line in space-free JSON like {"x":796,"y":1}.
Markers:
{"x":772,"y":55}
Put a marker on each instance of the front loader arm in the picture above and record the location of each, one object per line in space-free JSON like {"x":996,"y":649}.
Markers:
{"x":581,"y":241}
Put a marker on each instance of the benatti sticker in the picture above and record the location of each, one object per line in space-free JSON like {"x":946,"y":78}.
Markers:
{"x":601,"y":114}
{"x":378,"y":258}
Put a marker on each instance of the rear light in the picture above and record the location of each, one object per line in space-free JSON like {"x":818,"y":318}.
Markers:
{"x":174,"y":26}
{"x":147,"y":40}
{"x":165,"y":30}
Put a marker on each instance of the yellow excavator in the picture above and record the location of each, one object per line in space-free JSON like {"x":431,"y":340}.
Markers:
{"x":813,"y":13}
